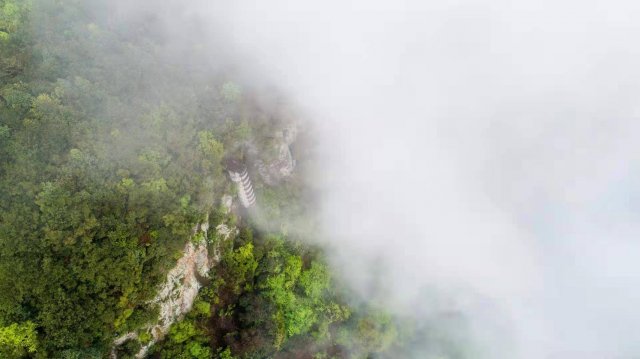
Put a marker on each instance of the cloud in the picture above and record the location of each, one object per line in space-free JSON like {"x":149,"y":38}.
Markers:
{"x":473,"y":146}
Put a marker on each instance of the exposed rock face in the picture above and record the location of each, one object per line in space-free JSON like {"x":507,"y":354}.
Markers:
{"x":121,"y":340}
{"x":177,"y":294}
{"x":224,"y":233}
{"x":179,"y":291}
{"x":227,"y":202}
{"x":282,"y":166}
{"x":290,"y":133}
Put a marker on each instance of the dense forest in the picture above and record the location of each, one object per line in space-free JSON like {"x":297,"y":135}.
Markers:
{"x":341,"y":180}
{"x":112,"y":151}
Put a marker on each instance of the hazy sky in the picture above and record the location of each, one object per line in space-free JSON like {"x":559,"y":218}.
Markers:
{"x":477,"y":146}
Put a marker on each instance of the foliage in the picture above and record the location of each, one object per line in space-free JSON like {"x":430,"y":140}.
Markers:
{"x":375,"y":333}
{"x":17,"y":340}
{"x":264,"y":289}
{"x":241,"y":265}
{"x":231,"y":91}
{"x":186,"y":340}
{"x":110,"y":153}
{"x":101,"y":179}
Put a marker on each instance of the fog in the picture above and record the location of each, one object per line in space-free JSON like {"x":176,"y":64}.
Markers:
{"x":484,"y":150}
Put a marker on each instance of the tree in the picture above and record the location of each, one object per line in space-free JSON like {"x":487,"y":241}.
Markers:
{"x":16,"y":340}
{"x":13,"y":34}
{"x":242,"y":265}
